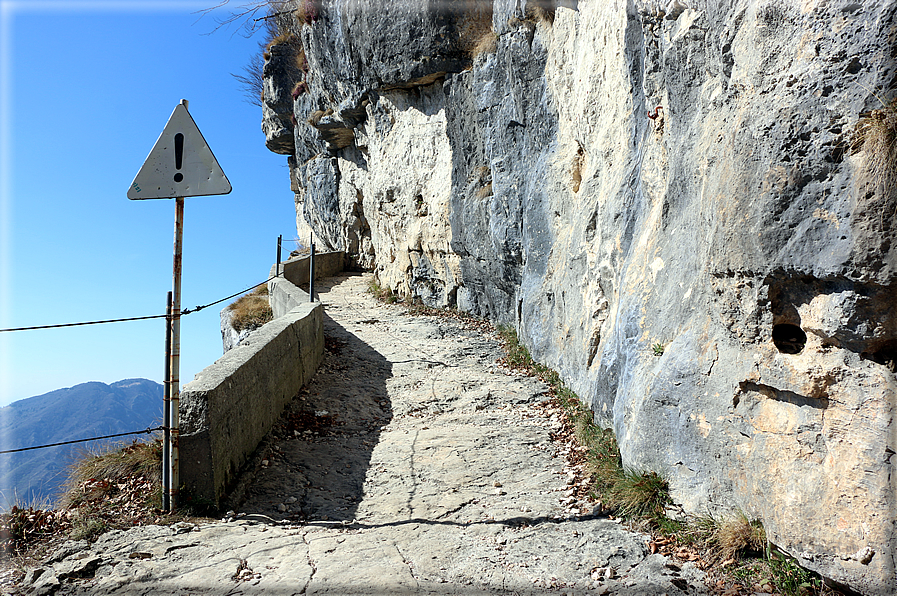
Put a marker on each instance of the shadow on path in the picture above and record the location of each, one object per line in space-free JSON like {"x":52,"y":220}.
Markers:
{"x":313,"y":464}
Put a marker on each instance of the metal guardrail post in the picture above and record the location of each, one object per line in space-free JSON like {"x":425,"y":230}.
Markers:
{"x":279,"y":240}
{"x":311,"y":274}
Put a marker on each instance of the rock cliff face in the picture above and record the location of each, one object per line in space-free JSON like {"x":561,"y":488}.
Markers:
{"x":616,"y":177}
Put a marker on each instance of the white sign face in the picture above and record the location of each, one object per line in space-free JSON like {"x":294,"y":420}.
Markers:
{"x":181,"y":164}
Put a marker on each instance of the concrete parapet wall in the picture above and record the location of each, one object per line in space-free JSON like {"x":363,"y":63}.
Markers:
{"x":284,"y":293}
{"x":231,"y":405}
{"x":284,"y":296}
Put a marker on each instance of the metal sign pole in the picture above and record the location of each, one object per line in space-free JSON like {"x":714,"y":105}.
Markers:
{"x":179,"y":165}
{"x":176,"y":350}
{"x":166,"y":414}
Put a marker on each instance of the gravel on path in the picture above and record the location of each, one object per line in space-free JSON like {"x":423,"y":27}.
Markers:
{"x":413,"y":463}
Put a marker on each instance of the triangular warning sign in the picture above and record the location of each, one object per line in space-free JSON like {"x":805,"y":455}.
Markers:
{"x":181,"y":164}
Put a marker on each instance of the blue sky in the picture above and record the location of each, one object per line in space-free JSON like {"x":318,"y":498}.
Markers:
{"x":85,"y":90}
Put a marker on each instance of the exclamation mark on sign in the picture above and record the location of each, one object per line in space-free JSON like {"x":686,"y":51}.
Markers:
{"x":178,"y":155}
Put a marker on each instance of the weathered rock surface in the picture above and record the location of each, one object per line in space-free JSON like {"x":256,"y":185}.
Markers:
{"x":230,"y":337}
{"x":280,"y":73}
{"x":412,"y":464}
{"x":543,"y":187}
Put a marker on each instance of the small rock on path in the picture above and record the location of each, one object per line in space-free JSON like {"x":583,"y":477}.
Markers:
{"x":412,"y":464}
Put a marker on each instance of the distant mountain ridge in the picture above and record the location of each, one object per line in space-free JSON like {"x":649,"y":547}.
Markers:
{"x":86,"y":410}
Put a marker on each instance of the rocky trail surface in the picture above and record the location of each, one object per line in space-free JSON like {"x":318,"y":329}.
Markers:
{"x":413,"y":463}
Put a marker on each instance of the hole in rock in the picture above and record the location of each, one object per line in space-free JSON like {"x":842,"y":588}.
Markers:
{"x":886,"y":354}
{"x":788,"y":338}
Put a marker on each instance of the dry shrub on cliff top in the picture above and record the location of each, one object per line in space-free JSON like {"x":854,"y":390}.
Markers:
{"x":283,"y":39}
{"x":108,"y":470}
{"x":114,"y":488}
{"x":252,"y":310}
{"x":280,"y":26}
{"x":876,"y":136}
{"x":21,"y":526}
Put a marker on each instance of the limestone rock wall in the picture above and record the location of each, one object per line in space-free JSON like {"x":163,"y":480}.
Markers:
{"x":539,"y":184}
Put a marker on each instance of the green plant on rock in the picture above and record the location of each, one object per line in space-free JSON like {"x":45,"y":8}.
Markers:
{"x":778,"y":573}
{"x":517,"y":354}
{"x":657,"y":349}
{"x":88,"y":528}
{"x":789,"y":578}
{"x":382,"y":294}
{"x":637,"y":494}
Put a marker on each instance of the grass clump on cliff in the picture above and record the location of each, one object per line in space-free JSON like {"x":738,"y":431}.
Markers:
{"x":116,"y":487}
{"x":876,"y":136}
{"x":281,"y":26}
{"x":541,"y":11}
{"x":739,"y":536}
{"x":252,"y":310}
{"x":476,"y":33}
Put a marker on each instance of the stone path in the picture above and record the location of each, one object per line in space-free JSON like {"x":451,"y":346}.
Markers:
{"x":412,"y":464}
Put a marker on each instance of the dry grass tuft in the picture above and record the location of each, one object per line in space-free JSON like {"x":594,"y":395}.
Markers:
{"x":100,"y":474}
{"x":541,"y":11}
{"x":283,"y":39}
{"x":636,"y":494}
{"x":476,"y":34}
{"x":252,"y":310}
{"x":482,"y":177}
{"x":315,"y":117}
{"x":739,"y":535}
{"x":484,"y":45}
{"x":876,"y":137}
{"x":118,"y":487}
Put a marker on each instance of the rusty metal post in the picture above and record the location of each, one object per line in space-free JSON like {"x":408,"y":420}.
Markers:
{"x":166,"y":411}
{"x":279,"y":240}
{"x":311,"y":274}
{"x":176,"y":352}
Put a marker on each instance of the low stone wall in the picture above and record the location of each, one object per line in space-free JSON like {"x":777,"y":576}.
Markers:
{"x":283,"y":291}
{"x":231,"y":405}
